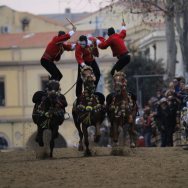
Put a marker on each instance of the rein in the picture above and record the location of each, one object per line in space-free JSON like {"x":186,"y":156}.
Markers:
{"x":70,"y":88}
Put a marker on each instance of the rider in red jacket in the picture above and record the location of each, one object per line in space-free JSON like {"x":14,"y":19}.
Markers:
{"x":85,"y":52}
{"x":118,"y":47}
{"x":53,"y":52}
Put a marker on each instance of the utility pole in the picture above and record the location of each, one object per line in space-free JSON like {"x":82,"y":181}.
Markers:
{"x":98,"y":30}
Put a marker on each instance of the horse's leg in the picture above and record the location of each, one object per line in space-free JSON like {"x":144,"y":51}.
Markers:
{"x":97,"y":132}
{"x":80,"y":146}
{"x":132,"y":134}
{"x":132,"y":130}
{"x":78,"y":126}
{"x":54,"y":135}
{"x":86,"y":140}
{"x":39,"y":137}
{"x":115,"y":133}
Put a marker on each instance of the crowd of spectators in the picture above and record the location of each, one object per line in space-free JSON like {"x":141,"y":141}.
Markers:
{"x":161,"y":116}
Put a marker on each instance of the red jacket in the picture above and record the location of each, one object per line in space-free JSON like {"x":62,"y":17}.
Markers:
{"x":86,"y":54}
{"x":56,"y":47}
{"x":116,"y":42}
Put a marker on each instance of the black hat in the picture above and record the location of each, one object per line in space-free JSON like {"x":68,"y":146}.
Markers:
{"x":111,"y":31}
{"x":61,"y":33}
{"x":83,"y":38}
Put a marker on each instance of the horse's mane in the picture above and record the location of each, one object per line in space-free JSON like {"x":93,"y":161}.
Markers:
{"x":119,"y":74}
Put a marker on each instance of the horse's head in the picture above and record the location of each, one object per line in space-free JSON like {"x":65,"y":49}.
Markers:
{"x":88,"y":78}
{"x":120,"y":82}
{"x":53,"y":89}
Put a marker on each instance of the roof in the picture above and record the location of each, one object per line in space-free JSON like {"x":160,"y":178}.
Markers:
{"x":45,"y":19}
{"x":33,"y":40}
{"x":61,"y":18}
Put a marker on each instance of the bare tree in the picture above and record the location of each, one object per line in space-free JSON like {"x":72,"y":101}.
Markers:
{"x":182,"y":28}
{"x":170,"y":38}
{"x":176,"y":17}
{"x":167,"y":7}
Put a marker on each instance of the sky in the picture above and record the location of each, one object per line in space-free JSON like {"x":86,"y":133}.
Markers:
{"x":55,"y":6}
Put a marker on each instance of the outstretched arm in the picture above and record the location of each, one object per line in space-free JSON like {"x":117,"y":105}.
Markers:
{"x":79,"y":56}
{"x":72,"y":31}
{"x":102,"y":43}
{"x":65,"y":37}
{"x":123,"y":32}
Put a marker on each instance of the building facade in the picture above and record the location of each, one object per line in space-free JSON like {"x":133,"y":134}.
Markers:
{"x":23,"y":40}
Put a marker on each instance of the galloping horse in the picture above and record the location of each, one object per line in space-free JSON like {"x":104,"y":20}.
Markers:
{"x":89,"y":110}
{"x":121,"y":110}
{"x":48,"y":112}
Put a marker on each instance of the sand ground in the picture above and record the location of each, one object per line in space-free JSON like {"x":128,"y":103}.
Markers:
{"x":139,"y":167}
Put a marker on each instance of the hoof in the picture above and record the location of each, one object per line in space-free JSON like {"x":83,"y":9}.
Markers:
{"x":51,"y":156}
{"x":41,"y":144}
{"x":132,"y":145}
{"x":87,"y":154}
{"x":80,"y":148}
{"x":37,"y":139}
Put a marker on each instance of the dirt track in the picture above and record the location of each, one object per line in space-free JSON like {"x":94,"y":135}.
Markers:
{"x":140,"y":167}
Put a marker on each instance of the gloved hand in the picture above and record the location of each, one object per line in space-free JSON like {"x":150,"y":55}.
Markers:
{"x":83,"y":65}
{"x":73,"y":46}
{"x":98,"y":42}
{"x":89,"y":42}
{"x":123,"y":23}
{"x":71,"y":33}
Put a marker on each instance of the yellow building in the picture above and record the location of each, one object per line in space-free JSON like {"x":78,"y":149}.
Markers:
{"x":12,"y":21}
{"x":21,"y":73}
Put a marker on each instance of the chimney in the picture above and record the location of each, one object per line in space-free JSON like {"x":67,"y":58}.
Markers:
{"x":67,"y":11}
{"x":25,"y":23}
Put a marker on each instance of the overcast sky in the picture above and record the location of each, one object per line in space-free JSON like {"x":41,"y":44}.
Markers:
{"x":54,"y":6}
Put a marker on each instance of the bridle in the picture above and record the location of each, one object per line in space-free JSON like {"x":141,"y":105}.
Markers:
{"x":120,"y":82}
{"x":88,"y":78}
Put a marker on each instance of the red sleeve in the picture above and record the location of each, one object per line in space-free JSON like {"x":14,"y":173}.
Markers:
{"x":93,"y":39}
{"x":104,"y":44}
{"x":79,"y":54}
{"x":123,"y":33}
{"x":67,"y":46}
{"x":62,"y":38}
{"x":95,"y":51}
{"x":102,"y":39}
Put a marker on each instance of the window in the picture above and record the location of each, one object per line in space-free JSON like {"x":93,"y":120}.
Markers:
{"x":44,"y":81}
{"x":4,"y":29}
{"x":3,"y":143}
{"x":147,"y":52}
{"x":2,"y":92}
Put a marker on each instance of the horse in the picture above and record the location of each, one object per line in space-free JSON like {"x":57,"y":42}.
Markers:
{"x":121,"y":110}
{"x":48,"y":112}
{"x":89,"y":110}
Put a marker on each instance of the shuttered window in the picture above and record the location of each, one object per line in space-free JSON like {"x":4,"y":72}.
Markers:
{"x":2,"y":92}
